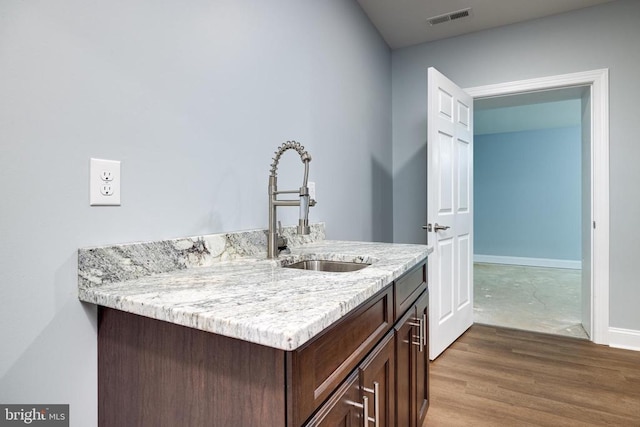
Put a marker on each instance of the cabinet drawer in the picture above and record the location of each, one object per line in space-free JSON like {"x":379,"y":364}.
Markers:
{"x":319,"y":367}
{"x":408,"y":288}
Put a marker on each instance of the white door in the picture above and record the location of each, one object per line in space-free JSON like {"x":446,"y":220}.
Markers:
{"x":449,"y":211}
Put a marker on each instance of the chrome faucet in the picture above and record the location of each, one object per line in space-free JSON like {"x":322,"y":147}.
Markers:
{"x":275,"y":241}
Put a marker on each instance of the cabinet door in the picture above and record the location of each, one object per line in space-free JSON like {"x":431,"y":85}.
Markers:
{"x":405,"y":355}
{"x":339,"y":410}
{"x":422,"y":362}
{"x":346,"y":406}
{"x":377,"y":383}
{"x":406,"y":336}
{"x":320,"y":366}
{"x":412,"y":360}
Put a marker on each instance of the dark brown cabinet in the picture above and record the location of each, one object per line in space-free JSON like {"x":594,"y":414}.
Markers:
{"x":377,"y":383}
{"x":342,"y":408}
{"x":412,"y":367}
{"x":317,"y":368}
{"x":422,"y":363}
{"x":368,"y":392}
{"x":155,"y":373}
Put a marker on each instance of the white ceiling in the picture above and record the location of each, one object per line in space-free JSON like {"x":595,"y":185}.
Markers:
{"x":404,"y":22}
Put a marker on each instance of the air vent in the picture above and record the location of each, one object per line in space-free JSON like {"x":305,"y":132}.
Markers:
{"x":451,"y":16}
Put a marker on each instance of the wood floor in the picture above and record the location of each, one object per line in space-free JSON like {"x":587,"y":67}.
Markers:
{"x":495,"y":376}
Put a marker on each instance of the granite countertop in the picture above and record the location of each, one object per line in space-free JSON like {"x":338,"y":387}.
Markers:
{"x":224,"y":284}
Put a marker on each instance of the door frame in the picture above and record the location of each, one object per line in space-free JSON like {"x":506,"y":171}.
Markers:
{"x":598,"y":82}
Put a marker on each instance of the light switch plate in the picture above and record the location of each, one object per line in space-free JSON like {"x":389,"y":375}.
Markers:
{"x":104,"y":182}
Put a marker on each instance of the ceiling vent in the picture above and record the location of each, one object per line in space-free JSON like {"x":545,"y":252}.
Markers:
{"x":451,"y":16}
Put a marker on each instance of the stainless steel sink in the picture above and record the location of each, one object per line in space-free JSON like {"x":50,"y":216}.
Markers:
{"x":327,"y":265}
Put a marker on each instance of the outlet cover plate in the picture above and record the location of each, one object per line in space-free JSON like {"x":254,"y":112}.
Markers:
{"x":104,"y":182}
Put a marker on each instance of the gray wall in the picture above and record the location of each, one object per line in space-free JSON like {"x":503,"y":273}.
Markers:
{"x":193,"y":97}
{"x":605,"y":36}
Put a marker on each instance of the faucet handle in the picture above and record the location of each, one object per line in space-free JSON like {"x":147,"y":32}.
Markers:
{"x":281,"y":241}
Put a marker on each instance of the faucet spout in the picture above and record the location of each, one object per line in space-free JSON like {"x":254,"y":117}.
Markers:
{"x":275,"y":242}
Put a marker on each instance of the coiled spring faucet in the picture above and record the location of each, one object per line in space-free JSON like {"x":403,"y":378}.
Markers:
{"x":275,"y":242}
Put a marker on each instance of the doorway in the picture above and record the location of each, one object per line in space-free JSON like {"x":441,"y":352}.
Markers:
{"x":595,"y":228}
{"x":528,"y":179}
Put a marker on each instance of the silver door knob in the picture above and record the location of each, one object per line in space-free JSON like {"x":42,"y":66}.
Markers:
{"x":437,"y":227}
{"x":440,"y":227}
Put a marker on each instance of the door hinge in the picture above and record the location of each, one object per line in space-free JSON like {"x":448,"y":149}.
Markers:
{"x":594,"y":225}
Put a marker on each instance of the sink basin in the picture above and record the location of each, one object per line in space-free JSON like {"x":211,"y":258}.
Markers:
{"x":326,"y":265}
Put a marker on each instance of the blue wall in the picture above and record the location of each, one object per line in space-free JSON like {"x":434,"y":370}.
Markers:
{"x":527,"y":194}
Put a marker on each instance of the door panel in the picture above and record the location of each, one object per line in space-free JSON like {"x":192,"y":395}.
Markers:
{"x":464,"y":176}
{"x":445,"y":104}
{"x":445,"y":269}
{"x":464,"y":115}
{"x":445,"y":189}
{"x":465,"y":264}
{"x":450,"y":206}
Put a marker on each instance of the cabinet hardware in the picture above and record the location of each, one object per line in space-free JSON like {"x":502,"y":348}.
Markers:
{"x":420,"y":323}
{"x":365,"y":409}
{"x":424,"y":330}
{"x":376,"y":405}
{"x":421,"y":346}
{"x":365,"y":406}
{"x":436,"y":227}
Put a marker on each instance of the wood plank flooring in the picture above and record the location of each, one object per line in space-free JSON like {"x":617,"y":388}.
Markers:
{"x":494,"y":376}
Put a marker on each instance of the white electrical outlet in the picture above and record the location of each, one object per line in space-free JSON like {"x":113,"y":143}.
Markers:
{"x":106,"y":175}
{"x":104,"y":183}
{"x":106,"y":190}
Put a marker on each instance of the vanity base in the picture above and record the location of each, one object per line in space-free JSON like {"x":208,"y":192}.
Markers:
{"x":155,"y":373}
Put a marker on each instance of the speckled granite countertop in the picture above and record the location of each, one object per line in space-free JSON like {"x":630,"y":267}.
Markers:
{"x":224,"y":284}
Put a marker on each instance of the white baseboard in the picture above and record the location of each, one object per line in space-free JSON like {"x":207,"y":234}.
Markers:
{"x":624,"y":338}
{"x":531,"y":262}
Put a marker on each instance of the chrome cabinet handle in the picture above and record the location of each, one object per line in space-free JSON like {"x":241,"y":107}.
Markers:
{"x":422,"y":334}
{"x":424,"y":330}
{"x":376,"y":405}
{"x":420,"y":323}
{"x":365,"y":405}
{"x":365,"y":409}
